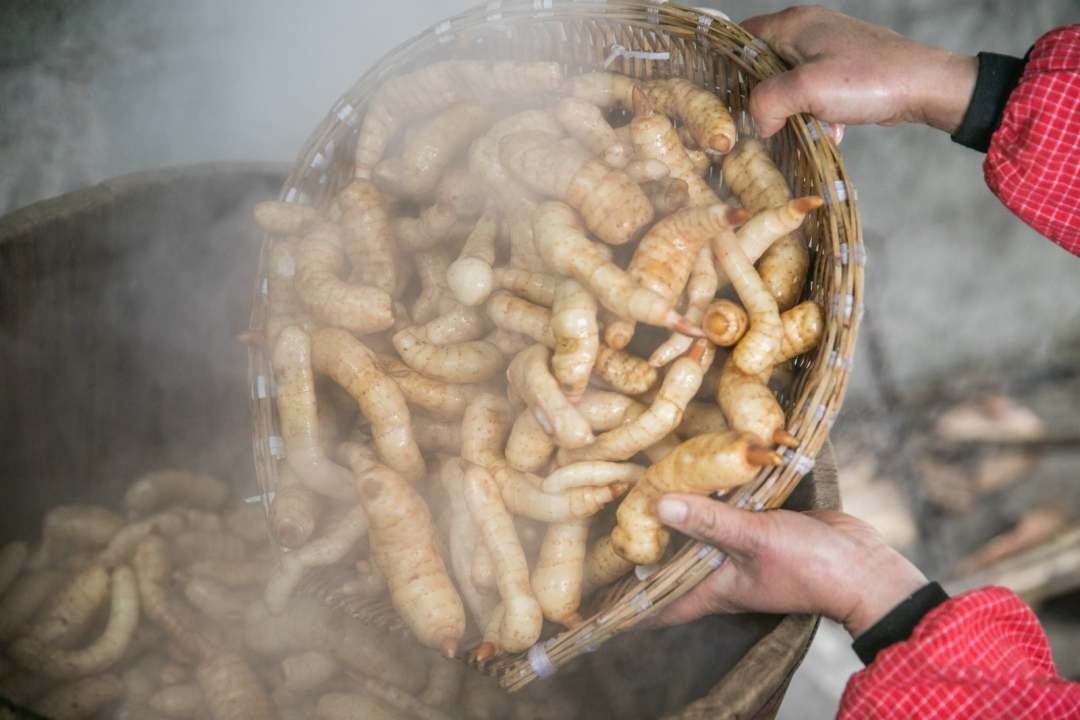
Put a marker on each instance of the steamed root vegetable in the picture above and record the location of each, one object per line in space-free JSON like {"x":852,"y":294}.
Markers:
{"x":509,"y":342}
{"x":123,"y":543}
{"x":25,"y":596}
{"x":757,"y":182}
{"x":404,"y":547}
{"x":298,"y":414}
{"x":466,"y":362}
{"x":437,"y":435}
{"x":329,"y":548}
{"x":367,"y":237}
{"x":232,"y":689}
{"x":647,"y":171}
{"x":701,"y":111}
{"x":12,"y":559}
{"x":700,"y":160}
{"x":767,"y":226}
{"x":445,"y":401}
{"x":345,"y":359}
{"x":586,"y":123}
{"x":608,"y":410}
{"x":680,"y":384}
{"x":515,"y":314}
{"x":700,"y":291}
{"x":36,"y":654}
{"x":624,"y":372}
{"x":483,"y":568}
{"x":431,"y":271}
{"x":536,"y":287}
{"x":701,"y":466}
{"x":667,"y":195}
{"x":284,"y":218}
{"x":759,"y":346}
{"x":231,"y":573}
{"x":748,"y":404}
{"x":655,"y":138}
{"x":603,"y":565}
{"x":557,"y":578}
{"x":577,"y":338}
{"x":470,"y":277}
{"x":307,"y":625}
{"x":320,"y":263}
{"x":74,"y":526}
{"x":294,"y":511}
{"x":484,"y":428}
{"x":523,"y":497}
{"x":307,"y":671}
{"x":437,"y":86}
{"x":80,"y":699}
{"x":214,"y":600}
{"x":531,"y":378}
{"x":561,"y":240}
{"x":457,"y":325}
{"x":613,"y":206}
{"x":724,"y":322}
{"x":207,"y":544}
{"x":464,"y":541}
{"x":663,"y":260}
{"x":349,"y":706}
{"x":430,"y":149}
{"x":529,"y":446}
{"x":71,"y":612}
{"x":592,"y":473}
{"x":700,"y":418}
{"x":183,"y":700}
{"x":153,"y":574}
{"x":802,"y":330}
{"x":522,"y":617}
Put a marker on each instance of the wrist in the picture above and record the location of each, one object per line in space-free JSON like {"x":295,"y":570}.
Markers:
{"x":947,"y":82}
{"x":891,"y":579}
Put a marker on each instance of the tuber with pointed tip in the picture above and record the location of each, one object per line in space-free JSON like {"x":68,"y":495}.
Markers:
{"x":701,"y":466}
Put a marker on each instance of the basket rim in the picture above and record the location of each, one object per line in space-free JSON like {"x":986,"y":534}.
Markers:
{"x":820,"y":385}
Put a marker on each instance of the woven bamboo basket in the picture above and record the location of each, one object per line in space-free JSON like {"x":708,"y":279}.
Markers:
{"x":644,"y":40}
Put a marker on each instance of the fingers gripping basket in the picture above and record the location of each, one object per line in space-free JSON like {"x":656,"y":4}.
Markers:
{"x":642,"y":40}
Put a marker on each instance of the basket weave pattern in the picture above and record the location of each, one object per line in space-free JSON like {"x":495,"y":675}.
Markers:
{"x":643,"y":40}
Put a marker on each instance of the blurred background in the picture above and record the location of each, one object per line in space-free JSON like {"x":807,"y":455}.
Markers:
{"x":960,"y":439}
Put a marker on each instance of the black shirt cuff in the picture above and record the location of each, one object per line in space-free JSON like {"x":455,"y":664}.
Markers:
{"x":899,"y":623}
{"x":998,"y":76}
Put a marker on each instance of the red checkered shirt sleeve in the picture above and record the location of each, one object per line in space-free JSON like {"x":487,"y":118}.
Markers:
{"x":978,"y":655}
{"x":1033,"y":163}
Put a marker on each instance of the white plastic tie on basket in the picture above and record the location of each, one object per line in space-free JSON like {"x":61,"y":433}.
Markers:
{"x":345,"y":111}
{"x":742,"y":502}
{"x":641,"y":603}
{"x":277,"y":446}
{"x":261,"y":390}
{"x":860,"y":255}
{"x":830,"y":419}
{"x":754,"y":48}
{"x":843,"y":253}
{"x":265,"y":287}
{"x":298,"y":196}
{"x":654,"y":12}
{"x":584,"y":642}
{"x":644,"y":572}
{"x":801,"y":463}
{"x":849,"y":304}
{"x":539,"y":660}
{"x":841,"y":189}
{"x":860,"y":310}
{"x":618,"y":51}
{"x":267,"y":496}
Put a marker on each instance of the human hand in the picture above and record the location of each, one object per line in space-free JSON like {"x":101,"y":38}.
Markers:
{"x":820,"y":562}
{"x":847,"y":71}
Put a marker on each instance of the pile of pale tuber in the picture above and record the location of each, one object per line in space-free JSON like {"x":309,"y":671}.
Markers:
{"x":156,"y":612}
{"x":533,"y":298}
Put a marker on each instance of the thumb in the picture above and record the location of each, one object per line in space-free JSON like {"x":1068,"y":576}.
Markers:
{"x":730,"y":529}
{"x":774,"y":100}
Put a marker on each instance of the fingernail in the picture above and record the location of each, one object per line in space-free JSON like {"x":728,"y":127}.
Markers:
{"x":672,"y":512}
